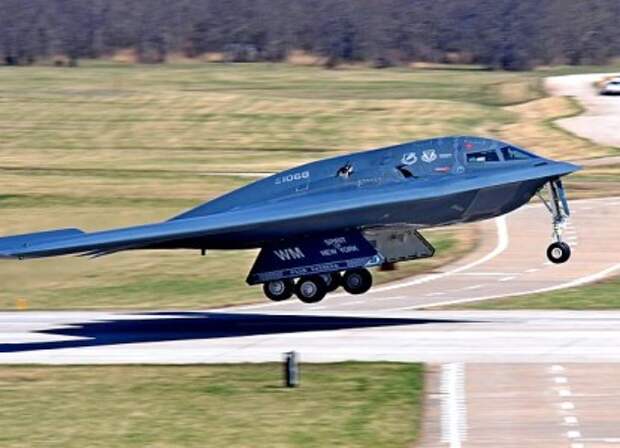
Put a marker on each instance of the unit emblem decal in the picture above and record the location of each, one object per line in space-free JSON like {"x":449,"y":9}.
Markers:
{"x":409,"y":159}
{"x":429,"y":155}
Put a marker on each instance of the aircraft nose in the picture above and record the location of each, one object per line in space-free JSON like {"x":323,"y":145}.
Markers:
{"x":570,"y":167}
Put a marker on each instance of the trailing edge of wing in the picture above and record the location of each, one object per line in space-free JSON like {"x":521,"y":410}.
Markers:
{"x":17,"y":243}
{"x":74,"y":241}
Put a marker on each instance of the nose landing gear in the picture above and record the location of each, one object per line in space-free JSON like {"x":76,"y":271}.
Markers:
{"x":558,"y":252}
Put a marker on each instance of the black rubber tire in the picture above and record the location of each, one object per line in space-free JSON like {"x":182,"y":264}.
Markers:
{"x":558,"y":253}
{"x":357,"y":281}
{"x":311,"y":289}
{"x":279,"y":290}
{"x":333,"y":280}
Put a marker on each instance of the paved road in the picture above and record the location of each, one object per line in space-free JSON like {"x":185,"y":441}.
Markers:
{"x":601,"y":121}
{"x":210,"y":337}
{"x":516,"y":405}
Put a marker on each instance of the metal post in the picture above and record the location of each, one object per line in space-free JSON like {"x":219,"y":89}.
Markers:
{"x":291,"y":369}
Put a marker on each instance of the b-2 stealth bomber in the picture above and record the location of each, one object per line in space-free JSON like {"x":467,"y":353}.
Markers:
{"x":322,"y":225}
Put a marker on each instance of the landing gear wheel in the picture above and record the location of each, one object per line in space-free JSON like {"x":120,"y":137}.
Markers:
{"x":558,"y":253}
{"x":310,"y":289}
{"x":357,"y":281}
{"x":278,"y":290}
{"x":333,"y":280}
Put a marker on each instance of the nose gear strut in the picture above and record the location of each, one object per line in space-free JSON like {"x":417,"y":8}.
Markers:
{"x":558,"y":252}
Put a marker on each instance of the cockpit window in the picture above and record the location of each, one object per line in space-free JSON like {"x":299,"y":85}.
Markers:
{"x":511,"y":153}
{"x":482,"y":157}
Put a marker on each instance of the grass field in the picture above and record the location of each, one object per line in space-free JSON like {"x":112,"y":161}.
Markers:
{"x":108,"y":145}
{"x":600,"y":296}
{"x":352,"y":405}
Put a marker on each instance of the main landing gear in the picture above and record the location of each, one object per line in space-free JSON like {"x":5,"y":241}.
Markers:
{"x":314,"y":288}
{"x":558,"y":252}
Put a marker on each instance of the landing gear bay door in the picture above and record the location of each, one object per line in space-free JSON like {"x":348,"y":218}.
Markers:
{"x":314,"y":255}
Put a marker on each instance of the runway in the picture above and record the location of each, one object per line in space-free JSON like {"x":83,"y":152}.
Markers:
{"x":515,"y":405}
{"x":211,"y":337}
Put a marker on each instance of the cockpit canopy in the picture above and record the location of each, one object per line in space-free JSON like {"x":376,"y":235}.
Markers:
{"x":503,"y":154}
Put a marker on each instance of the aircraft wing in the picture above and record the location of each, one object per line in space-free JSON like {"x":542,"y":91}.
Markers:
{"x":74,"y":241}
{"x":68,"y":241}
{"x":311,"y":209}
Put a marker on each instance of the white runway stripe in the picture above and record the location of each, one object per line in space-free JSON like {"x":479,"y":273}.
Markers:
{"x":453,"y":405}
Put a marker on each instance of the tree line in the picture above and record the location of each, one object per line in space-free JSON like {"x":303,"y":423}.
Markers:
{"x":499,"y":34}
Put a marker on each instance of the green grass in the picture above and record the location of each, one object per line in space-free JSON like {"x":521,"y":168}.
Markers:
{"x":108,"y":145}
{"x":601,"y":296}
{"x":351,"y":404}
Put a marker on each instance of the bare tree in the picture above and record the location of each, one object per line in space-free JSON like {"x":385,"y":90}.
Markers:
{"x":502,"y":34}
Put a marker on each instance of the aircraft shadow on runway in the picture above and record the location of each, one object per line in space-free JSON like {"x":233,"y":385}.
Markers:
{"x":199,"y":325}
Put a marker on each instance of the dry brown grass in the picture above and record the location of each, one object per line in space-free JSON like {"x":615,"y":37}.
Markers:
{"x":534,"y":130}
{"x":109,"y":145}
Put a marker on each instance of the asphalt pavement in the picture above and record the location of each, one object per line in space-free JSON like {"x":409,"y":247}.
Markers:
{"x":601,"y":120}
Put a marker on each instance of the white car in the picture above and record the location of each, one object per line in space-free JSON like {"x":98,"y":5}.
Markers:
{"x":612,"y":87}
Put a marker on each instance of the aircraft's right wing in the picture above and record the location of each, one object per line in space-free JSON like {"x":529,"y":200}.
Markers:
{"x":75,"y":241}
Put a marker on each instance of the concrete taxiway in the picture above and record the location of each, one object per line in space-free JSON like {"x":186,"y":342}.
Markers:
{"x":515,"y":405}
{"x":601,"y":119}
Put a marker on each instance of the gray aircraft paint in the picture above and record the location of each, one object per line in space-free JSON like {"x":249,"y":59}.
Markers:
{"x":423,"y":184}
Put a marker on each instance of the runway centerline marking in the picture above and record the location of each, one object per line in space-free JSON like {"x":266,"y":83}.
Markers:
{"x":564,"y":392}
{"x":485,"y":274}
{"x":507,"y":279}
{"x":453,"y":407}
{"x":393,"y":298}
{"x":567,"y":406}
{"x":591,"y":278}
{"x":571,"y":420}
